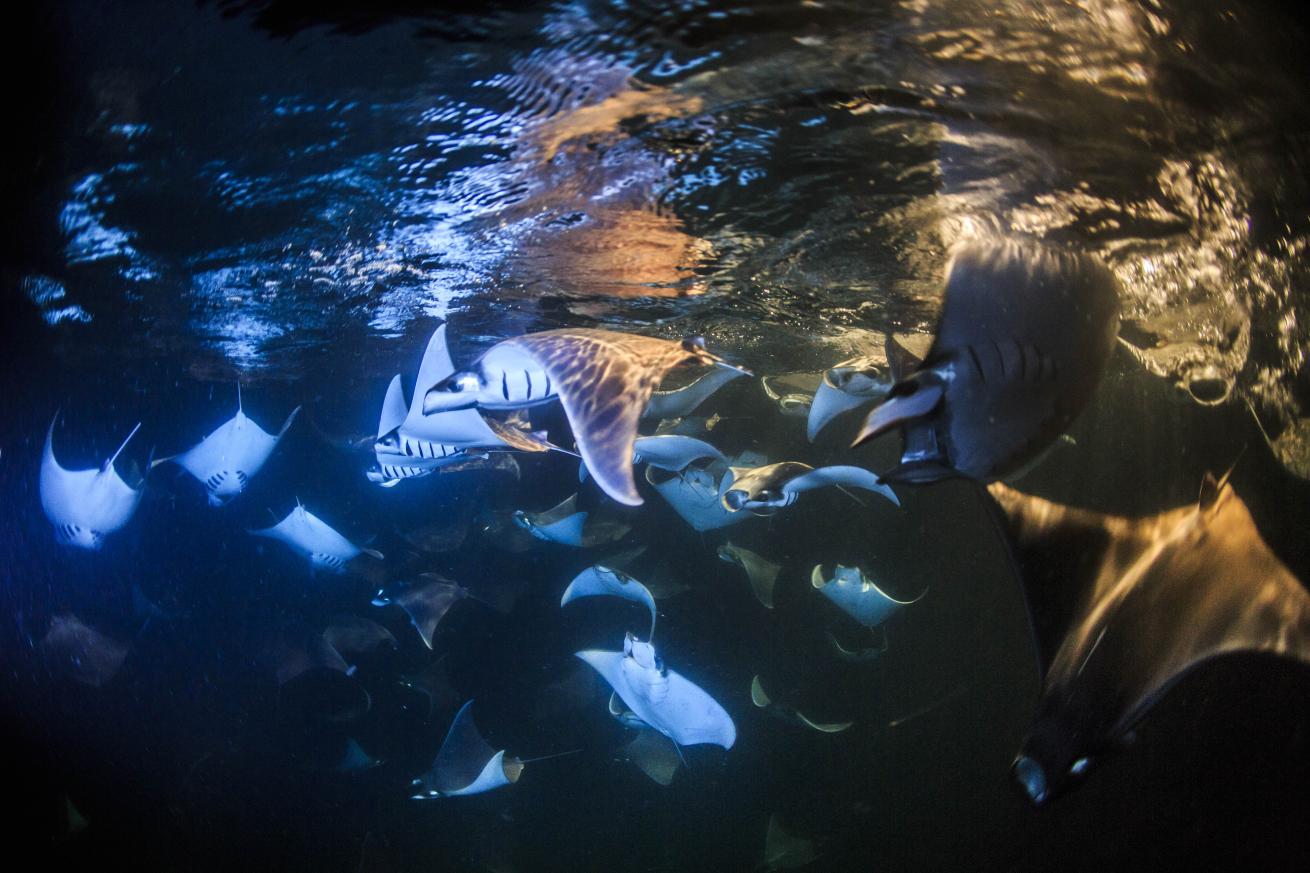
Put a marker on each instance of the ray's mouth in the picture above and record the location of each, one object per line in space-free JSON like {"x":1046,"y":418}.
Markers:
{"x":1030,"y":778}
{"x":735,"y":501}
{"x":439,"y":399}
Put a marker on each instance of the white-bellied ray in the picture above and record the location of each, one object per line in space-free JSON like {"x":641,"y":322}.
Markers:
{"x":405,"y":432}
{"x":85,"y":506}
{"x":228,"y":458}
{"x":660,"y":697}
{"x":764,"y":490}
{"x":399,"y":454}
{"x":855,"y":594}
{"x":310,"y":537}
{"x":696,"y":493}
{"x":600,"y":580}
{"x":681,"y":402}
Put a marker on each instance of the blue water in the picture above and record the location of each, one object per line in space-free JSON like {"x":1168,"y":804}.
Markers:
{"x":295,"y":196}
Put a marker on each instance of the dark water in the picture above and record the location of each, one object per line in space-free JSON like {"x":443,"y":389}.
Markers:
{"x":296,"y":195}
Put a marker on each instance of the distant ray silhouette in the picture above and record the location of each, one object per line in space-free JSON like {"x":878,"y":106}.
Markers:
{"x":426,"y":602}
{"x":760,"y":571}
{"x":762,"y":700}
{"x":82,"y":652}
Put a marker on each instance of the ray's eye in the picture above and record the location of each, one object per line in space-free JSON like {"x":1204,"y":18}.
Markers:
{"x":459,"y":383}
{"x":736,"y":499}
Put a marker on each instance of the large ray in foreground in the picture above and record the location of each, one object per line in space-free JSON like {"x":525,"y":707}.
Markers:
{"x":603,"y":378}
{"x":1123,"y":608}
{"x":1024,"y":336}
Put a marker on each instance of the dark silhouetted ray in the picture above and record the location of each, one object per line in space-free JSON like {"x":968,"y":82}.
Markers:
{"x":1024,"y":336}
{"x":426,"y":603}
{"x":81,"y":651}
{"x":761,"y":572}
{"x":784,"y":851}
{"x":762,"y":700}
{"x":353,"y":635}
{"x":1122,"y":608}
{"x":466,"y":764}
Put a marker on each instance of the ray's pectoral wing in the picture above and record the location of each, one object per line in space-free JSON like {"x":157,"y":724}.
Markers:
{"x":252,"y":446}
{"x":655,"y":755}
{"x":61,"y":489}
{"x":393,"y":408}
{"x":604,"y":387}
{"x":281,"y":532}
{"x":610,"y":667}
{"x":1016,"y":291}
{"x":695,"y":716}
{"x":850,"y":477}
{"x":1227,"y":594}
{"x":121,"y":498}
{"x":1061,"y":555}
{"x":435,"y":365}
{"x":206,"y":456}
{"x":463,"y":756}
